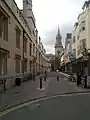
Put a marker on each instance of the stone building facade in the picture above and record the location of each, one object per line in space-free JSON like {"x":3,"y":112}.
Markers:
{"x":67,"y":51}
{"x":20,"y":46}
{"x":81,"y":39}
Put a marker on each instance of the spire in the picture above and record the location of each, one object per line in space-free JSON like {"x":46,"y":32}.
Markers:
{"x":58,"y":30}
{"x":58,"y":44}
{"x":58,"y":34}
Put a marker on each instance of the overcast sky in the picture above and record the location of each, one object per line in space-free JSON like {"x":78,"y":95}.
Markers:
{"x":50,"y":13}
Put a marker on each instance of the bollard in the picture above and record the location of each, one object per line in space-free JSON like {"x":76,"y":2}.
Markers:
{"x":57,"y":78}
{"x":45,"y":78}
{"x":4,"y":85}
{"x":40,"y":82}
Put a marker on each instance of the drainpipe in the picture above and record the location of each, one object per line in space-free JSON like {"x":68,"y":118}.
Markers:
{"x":23,"y":56}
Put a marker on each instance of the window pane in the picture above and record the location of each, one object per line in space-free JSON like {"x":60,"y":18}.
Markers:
{"x":0,"y":63}
{"x":83,"y":28}
{"x":73,"y":39}
{"x":25,"y":65}
{"x":5,"y":28}
{"x":17,"y":64}
{"x":17,"y":39}
{"x":25,"y":45}
{"x":33,"y":48}
{"x":0,"y":26}
{"x":30,"y":49}
{"x":3,"y":63}
{"x":30,"y":65}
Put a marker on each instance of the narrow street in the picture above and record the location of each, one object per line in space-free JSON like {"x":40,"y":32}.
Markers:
{"x":30,"y":90}
{"x":44,"y":60}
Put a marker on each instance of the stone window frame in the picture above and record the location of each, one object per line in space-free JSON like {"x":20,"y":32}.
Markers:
{"x":4,"y":55}
{"x":30,"y":49}
{"x":4,"y":20}
{"x":18,"y":36}
{"x":25,"y":64}
{"x":33,"y":48}
{"x":74,"y":39}
{"x":17,"y":63}
{"x":30,"y":65}
{"x":25,"y":44}
{"x":74,"y":52}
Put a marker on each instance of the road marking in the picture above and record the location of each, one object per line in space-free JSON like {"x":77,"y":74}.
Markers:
{"x":39,"y":100}
{"x":34,"y":106}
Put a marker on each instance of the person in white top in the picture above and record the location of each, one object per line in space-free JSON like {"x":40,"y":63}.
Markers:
{"x":57,"y":70}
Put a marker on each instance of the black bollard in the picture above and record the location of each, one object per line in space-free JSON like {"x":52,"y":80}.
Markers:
{"x":45,"y":78}
{"x":57,"y":78}
{"x":40,"y":82}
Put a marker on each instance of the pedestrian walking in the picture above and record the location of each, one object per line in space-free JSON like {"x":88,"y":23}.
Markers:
{"x":57,"y":70}
{"x":45,"y":75}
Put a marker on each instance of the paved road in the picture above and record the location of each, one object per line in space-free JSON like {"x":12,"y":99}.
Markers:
{"x":70,"y":107}
{"x":31,"y":90}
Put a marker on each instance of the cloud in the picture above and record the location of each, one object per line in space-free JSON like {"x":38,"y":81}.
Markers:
{"x":49,"y":13}
{"x":19,"y":3}
{"x":50,"y":36}
{"x":66,"y":28}
{"x":77,"y":2}
{"x":49,"y":48}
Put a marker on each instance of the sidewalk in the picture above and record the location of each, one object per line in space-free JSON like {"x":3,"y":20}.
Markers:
{"x":64,"y":74}
{"x":31,"y":90}
{"x":80,"y":87}
{"x":27,"y":90}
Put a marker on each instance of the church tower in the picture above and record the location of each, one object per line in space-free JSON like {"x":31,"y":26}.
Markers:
{"x":58,"y":44}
